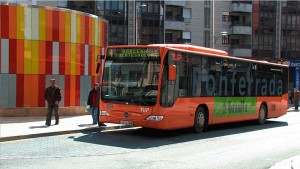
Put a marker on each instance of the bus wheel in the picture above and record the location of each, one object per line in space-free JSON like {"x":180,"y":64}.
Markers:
{"x":200,"y":121}
{"x":262,"y":114}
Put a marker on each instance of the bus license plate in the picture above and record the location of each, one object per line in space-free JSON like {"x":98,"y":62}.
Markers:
{"x":127,"y":123}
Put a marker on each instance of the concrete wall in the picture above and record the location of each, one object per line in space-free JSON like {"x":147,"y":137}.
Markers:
{"x":39,"y":43}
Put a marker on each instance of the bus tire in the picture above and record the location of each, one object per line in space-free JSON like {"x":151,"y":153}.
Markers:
{"x":262,"y":114}
{"x":200,"y":120}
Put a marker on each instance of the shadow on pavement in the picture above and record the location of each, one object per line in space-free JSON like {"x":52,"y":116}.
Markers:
{"x":140,"y":138}
{"x":85,"y":125}
{"x":35,"y":127}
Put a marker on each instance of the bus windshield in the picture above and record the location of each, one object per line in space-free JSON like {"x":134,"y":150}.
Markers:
{"x":130,"y":81}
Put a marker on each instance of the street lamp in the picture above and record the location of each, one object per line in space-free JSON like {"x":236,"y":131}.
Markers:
{"x":224,"y":33}
{"x":137,"y":10}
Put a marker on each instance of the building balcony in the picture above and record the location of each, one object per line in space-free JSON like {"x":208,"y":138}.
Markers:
{"x":241,"y":50}
{"x":174,"y":25}
{"x":175,"y":3}
{"x":241,"y":30}
{"x":241,"y":7}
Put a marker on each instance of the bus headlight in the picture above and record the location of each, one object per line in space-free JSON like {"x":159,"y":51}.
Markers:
{"x":155,"y":118}
{"x":103,"y":113}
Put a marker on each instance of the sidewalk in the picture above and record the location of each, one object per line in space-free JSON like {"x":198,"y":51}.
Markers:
{"x":14,"y":128}
{"x":291,"y":163}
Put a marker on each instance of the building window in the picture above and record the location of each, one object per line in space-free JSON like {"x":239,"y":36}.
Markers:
{"x":225,"y":17}
{"x":168,"y":37}
{"x":207,"y":2}
{"x":206,"y":17}
{"x":225,"y":39}
{"x":187,"y":13}
{"x":207,"y":38}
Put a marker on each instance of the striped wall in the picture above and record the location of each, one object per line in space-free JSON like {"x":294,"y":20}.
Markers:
{"x":40,"y":43}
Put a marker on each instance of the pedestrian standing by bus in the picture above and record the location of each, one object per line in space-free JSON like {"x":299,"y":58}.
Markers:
{"x":93,"y":102}
{"x":291,"y":96}
{"x":53,"y":96}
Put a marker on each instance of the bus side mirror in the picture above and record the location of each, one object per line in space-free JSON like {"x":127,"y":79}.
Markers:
{"x":172,"y":73}
{"x":99,"y":59}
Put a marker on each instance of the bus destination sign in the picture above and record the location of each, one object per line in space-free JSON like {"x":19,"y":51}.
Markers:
{"x":133,"y":53}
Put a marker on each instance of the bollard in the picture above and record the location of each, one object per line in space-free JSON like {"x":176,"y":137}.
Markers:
{"x":296,"y":99}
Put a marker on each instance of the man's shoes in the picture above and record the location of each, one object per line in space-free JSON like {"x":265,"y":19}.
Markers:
{"x":102,"y":124}
{"x":56,"y":123}
{"x":47,"y":124}
{"x":94,"y":123}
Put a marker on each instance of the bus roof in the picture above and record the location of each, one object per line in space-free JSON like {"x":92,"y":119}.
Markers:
{"x":193,"y":48}
{"x":199,"y":49}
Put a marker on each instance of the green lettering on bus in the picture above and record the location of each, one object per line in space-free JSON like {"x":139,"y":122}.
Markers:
{"x":234,"y":106}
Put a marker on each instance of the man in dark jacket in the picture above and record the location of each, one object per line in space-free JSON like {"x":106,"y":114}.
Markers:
{"x":53,"y":97}
{"x":93,"y":102}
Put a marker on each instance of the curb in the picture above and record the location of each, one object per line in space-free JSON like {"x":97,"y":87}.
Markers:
{"x":20,"y":137}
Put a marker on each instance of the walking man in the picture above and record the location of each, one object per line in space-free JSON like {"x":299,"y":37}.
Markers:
{"x":53,"y":97}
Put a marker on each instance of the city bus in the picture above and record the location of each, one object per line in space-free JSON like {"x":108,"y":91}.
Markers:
{"x":174,"y":86}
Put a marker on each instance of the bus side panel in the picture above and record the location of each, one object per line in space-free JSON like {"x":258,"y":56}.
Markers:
{"x":181,"y":114}
{"x":276,"y":105}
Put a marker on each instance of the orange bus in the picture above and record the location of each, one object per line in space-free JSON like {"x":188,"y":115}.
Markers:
{"x":172,"y":86}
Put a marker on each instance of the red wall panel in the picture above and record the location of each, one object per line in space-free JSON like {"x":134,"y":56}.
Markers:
{"x":61,"y":58}
{"x":55,"y":24}
{"x":4,"y":22}
{"x":86,"y":30}
{"x":0,"y":27}
{"x":49,"y":57}
{"x":12,"y":56}
{"x":20,"y":90}
{"x":77,"y":91}
{"x":0,"y":50}
{"x":27,"y":91}
{"x":67,"y":90}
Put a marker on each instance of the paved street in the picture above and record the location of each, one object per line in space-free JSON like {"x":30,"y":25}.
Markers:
{"x":239,"y":145}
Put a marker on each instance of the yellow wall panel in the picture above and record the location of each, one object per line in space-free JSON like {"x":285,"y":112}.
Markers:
{"x":78,"y":28}
{"x":27,"y":56}
{"x":42,"y":24}
{"x":35,"y":57}
{"x":100,"y":33}
{"x":73,"y":59}
{"x":67,"y":27}
{"x":20,"y":22}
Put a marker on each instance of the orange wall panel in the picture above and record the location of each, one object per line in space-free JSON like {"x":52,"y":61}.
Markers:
{"x":62,"y":26}
{"x":67,"y":58}
{"x":49,"y":26}
{"x":78,"y":52}
{"x":34,"y":92}
{"x":42,"y":57}
{"x":12,"y":22}
{"x":20,"y":56}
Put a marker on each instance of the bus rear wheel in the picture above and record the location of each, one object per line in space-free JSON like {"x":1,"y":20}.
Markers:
{"x":200,"y":120}
{"x":262,"y":114}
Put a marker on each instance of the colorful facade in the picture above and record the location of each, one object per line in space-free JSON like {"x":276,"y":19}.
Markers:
{"x":40,"y":43}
